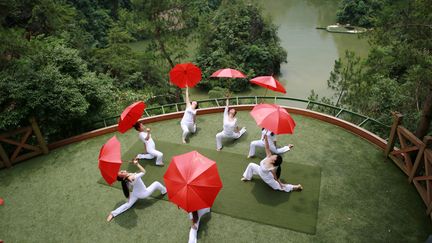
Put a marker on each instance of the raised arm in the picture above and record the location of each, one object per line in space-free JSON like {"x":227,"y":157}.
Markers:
{"x":148,"y":134}
{"x":187,"y":97}
{"x":267,"y":147}
{"x":135,"y":162}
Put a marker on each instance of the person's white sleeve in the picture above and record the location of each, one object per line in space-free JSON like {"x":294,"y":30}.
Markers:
{"x":138,"y":175}
{"x":142,"y":136}
{"x":226,"y":111}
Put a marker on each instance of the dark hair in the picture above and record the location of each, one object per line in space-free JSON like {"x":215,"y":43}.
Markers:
{"x":278,"y":163}
{"x":235,"y":112}
{"x":195,"y":216}
{"x":137,"y":126}
{"x":125,"y":187}
{"x":197,"y":106}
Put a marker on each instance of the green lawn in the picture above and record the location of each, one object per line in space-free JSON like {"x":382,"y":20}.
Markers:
{"x":363,"y":197}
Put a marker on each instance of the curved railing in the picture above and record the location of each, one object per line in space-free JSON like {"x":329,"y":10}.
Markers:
{"x":370,"y":124}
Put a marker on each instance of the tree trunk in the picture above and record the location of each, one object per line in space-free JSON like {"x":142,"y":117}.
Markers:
{"x":162,"y":48}
{"x":426,"y":117}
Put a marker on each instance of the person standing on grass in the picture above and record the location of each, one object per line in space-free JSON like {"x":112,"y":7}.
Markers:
{"x":145,"y":137}
{"x":272,"y":143}
{"x":188,"y":122}
{"x":230,"y":128}
{"x":195,"y":218}
{"x":269,"y":170}
{"x":139,"y":190}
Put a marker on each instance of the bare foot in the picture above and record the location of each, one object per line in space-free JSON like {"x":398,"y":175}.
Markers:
{"x":161,"y":164}
{"x":299,"y":187}
{"x":249,"y":156}
{"x":243,"y":179}
{"x":110,"y":217}
{"x":183,"y":141}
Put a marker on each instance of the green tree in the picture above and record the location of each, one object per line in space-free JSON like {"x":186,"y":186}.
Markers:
{"x":236,"y":35}
{"x":359,"y":12}
{"x":54,"y":85}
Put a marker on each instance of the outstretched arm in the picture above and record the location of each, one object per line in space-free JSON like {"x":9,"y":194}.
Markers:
{"x":148,"y":134}
{"x":267,"y":147}
{"x":187,"y":97}
{"x":135,"y":161}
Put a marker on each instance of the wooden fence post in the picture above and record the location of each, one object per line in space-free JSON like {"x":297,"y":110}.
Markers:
{"x":39,"y":136}
{"x":397,"y":119}
{"x":5,"y":157}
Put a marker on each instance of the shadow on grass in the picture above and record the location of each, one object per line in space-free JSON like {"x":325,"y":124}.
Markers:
{"x":129,"y":218}
{"x":203,"y":228}
{"x":266,"y":195}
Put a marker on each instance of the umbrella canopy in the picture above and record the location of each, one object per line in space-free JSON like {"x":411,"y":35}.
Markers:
{"x":269,"y":82}
{"x":130,"y":116}
{"x":1,"y":201}
{"x":192,"y":181}
{"x":110,"y":160}
{"x":185,"y":74}
{"x":228,"y":73}
{"x":273,"y":118}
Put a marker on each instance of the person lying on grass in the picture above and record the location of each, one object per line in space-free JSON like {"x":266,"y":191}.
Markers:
{"x":139,"y":190}
{"x":269,"y":170}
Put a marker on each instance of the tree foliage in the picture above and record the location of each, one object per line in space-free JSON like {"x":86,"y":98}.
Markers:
{"x":238,"y":36}
{"x":359,"y":12}
{"x":397,"y":73}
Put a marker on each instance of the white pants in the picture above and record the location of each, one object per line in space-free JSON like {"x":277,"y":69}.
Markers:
{"x":194,"y":232}
{"x":254,"y":169}
{"x":133,"y":198}
{"x":187,"y":128}
{"x":151,"y":153}
{"x":222,"y":135}
{"x":260,"y":143}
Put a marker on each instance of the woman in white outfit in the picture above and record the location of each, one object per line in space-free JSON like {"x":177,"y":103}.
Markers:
{"x":188,"y":122}
{"x":195,"y":218}
{"x":139,"y":190}
{"x":230,"y":128}
{"x":269,"y":170}
{"x":146,"y":138}
{"x":272,"y":143}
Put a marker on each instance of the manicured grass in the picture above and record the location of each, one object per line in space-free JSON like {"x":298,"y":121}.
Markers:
{"x":363,"y":197}
{"x":253,"y":200}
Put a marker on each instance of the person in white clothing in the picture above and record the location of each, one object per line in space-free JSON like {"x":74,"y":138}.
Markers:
{"x":139,"y":190}
{"x":272,"y":143}
{"x":195,"y":218}
{"x":230,"y":128}
{"x":269,"y":170}
{"x":188,"y":122}
{"x":146,"y":138}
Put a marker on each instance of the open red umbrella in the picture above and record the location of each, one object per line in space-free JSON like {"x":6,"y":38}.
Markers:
{"x":228,"y":73}
{"x":273,"y":118}
{"x":110,"y":160}
{"x":185,"y":74}
{"x":269,"y":82}
{"x":1,"y":201}
{"x":192,"y":181}
{"x":130,"y":116}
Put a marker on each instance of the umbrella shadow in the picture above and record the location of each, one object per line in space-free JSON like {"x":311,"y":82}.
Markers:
{"x":264,"y":194}
{"x":129,"y":218}
{"x":203,"y":228}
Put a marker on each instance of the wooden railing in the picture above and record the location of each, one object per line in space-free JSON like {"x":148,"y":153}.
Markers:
{"x":413,"y":158}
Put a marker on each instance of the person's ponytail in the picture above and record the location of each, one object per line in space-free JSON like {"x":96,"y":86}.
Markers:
{"x":278,"y":171}
{"x":125,"y":187}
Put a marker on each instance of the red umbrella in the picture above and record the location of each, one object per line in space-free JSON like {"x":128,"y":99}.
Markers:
{"x":269,"y":82}
{"x":1,"y":201}
{"x":192,"y":181}
{"x":110,"y":160}
{"x":130,"y":116}
{"x":228,"y":73}
{"x":185,"y":74}
{"x":273,"y":118}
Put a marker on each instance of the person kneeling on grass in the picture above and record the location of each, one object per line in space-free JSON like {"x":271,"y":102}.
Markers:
{"x":139,"y":190}
{"x":269,"y":170}
{"x":230,"y":128}
{"x":146,"y":138}
{"x":195,"y":218}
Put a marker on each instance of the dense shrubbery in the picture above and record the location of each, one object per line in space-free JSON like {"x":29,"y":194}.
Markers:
{"x":397,"y":73}
{"x":359,"y":12}
{"x":237,"y":36}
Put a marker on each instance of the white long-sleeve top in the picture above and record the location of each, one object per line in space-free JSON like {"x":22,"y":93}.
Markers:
{"x":150,"y":144}
{"x":228,"y":126}
{"x":188,"y":116}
